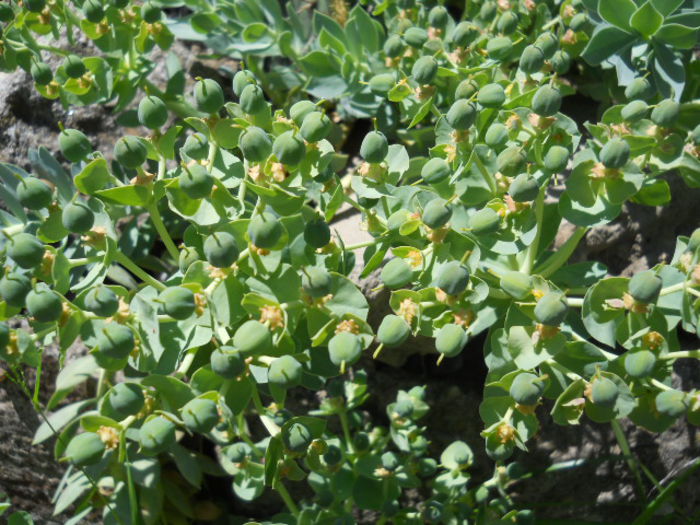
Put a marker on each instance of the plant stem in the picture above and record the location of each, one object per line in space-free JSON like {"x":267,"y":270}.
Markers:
{"x":137,"y":271}
{"x":346,"y":429}
{"x":627,"y":452}
{"x":562,"y":255}
{"x":673,"y":288}
{"x":681,"y":354}
{"x":163,"y":231}
{"x":186,"y":363}
{"x":575,"y":302}
{"x":359,"y":245}
{"x":531,"y":254}
{"x":288,"y":501}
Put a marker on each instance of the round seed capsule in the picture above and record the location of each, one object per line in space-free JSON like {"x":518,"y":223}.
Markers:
{"x":289,"y":148}
{"x":639,"y":88}
{"x":526,"y":389}
{"x":208,"y":96}
{"x":415,"y":36}
{"x":556,"y":158}
{"x":116,"y":341}
{"x":14,"y":288}
{"x":196,"y":181}
{"x":374,"y":147}
{"x":265,"y":230}
{"x":435,"y":171}
{"x":200,"y":415}
{"x":41,"y":73}
{"x":242,"y":79}
{"x":453,"y":278}
{"x":547,"y":101}
{"x":450,"y":340}
{"x":77,"y":217}
{"x":227,"y":362}
{"x":316,"y":282}
{"x":34,"y":194}
{"x":671,"y":403}
{"x":300,"y":110}
{"x":496,"y":136}
{"x":461,"y":115}
{"x":126,"y":399}
{"x":645,"y":287}
{"x":44,"y":304}
{"x":285,"y":372}
{"x":397,"y":273}
{"x":221,"y":249}
{"x":152,"y":112}
{"x":464,"y":34}
{"x":393,"y":331}
{"x":255,"y":144}
{"x":74,"y":145}
{"x":26,"y":250}
{"x":315,"y":127}
{"x":196,"y":147}
{"x":640,"y":364}
{"x":424,"y":70}
{"x":73,"y":66}
{"x":252,"y":99}
{"x":178,"y":302}
{"x":252,"y":338}
{"x":485,"y":221}
{"x":615,"y":153}
{"x":491,"y":96}
{"x":665,"y":113}
{"x":156,"y":435}
{"x":551,"y":309}
{"x":317,"y":233}
{"x":604,"y":392}
{"x":101,"y":301}
{"x":524,"y":188}
{"x":532,"y":60}
{"x":130,"y":152}
{"x":344,"y":347}
{"x":85,"y":449}
{"x":436,"y":213}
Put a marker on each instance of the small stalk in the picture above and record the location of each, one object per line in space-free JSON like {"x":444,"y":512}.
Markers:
{"x":562,"y":255}
{"x":137,"y":271}
{"x":163,"y":231}
{"x":575,"y":302}
{"x":288,"y":501}
{"x":673,"y":288}
{"x":531,"y":253}
{"x":627,"y":452}
{"x":681,"y":354}
{"x":360,"y":245}
{"x":342,"y":414}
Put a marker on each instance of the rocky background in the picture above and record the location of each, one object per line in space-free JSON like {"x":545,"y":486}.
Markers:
{"x":600,"y":490}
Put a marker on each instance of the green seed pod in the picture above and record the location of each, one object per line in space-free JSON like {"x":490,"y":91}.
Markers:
{"x":615,"y":153}
{"x":382,"y":83}
{"x":526,"y":389}
{"x":255,"y":144}
{"x":516,"y":284}
{"x":556,"y":159}
{"x":152,"y":112}
{"x":510,"y":161}
{"x":101,"y":301}
{"x":34,"y":194}
{"x":524,"y":188}
{"x":485,"y":221}
{"x":14,"y":288}
{"x":634,"y":111}
{"x":461,"y":115}
{"x":297,"y":437}
{"x":253,"y":338}
{"x":120,"y":4}
{"x":333,"y":456}
{"x":466,"y":88}
{"x":397,"y":273}
{"x":548,"y":44}
{"x":507,"y":22}
{"x":74,"y":145}
{"x":316,"y":282}
{"x":665,"y":113}
{"x":6,"y":12}
{"x":390,"y":461}
{"x":547,"y":101}
{"x":316,"y":127}
{"x":551,"y":309}
{"x":499,"y":48}
{"x":227,"y":362}
{"x":436,"y":213}
{"x":285,"y":372}
{"x":374,"y":147}
{"x":130,"y":152}
{"x":265,"y":230}
{"x":561,"y":62}
{"x":77,"y":217}
{"x":177,"y":302}
{"x":126,"y":399}
{"x":532,"y":60}
{"x":252,"y":99}
{"x":424,"y":70}
{"x":464,"y":34}
{"x":579,"y":22}
{"x":85,"y":449}
{"x":44,"y":304}
{"x":645,"y":287}
{"x":453,"y":278}
{"x":200,"y":415}
{"x":438,"y":17}
{"x":242,"y":79}
{"x":394,"y":46}
{"x":300,"y":110}
{"x":41,"y":73}
{"x":208,"y":96}
{"x":640,"y":364}
{"x":671,"y":403}
{"x":415,"y":36}
{"x":289,"y":148}
{"x":34,"y":6}
{"x":488,"y":11}
{"x":151,"y":13}
{"x":435,"y":171}
{"x":360,"y":441}
{"x":450,"y":340}
{"x":496,"y":136}
{"x":116,"y":341}
{"x":344,"y":347}
{"x":156,"y":435}
{"x":491,"y":96}
{"x":639,"y":88}
{"x":317,"y":233}
{"x":73,"y":66}
{"x":221,"y":249}
{"x":196,"y":147}
{"x":196,"y":181}
{"x":393,"y":331}
{"x":26,"y":250}
{"x":93,"y":11}
{"x":604,"y":392}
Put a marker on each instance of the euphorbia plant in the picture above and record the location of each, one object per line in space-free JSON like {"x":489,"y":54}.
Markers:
{"x":200,"y":271}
